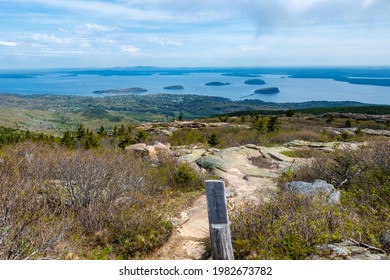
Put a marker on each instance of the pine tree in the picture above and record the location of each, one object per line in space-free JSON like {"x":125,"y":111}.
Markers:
{"x":273,"y":124}
{"x":115,"y":131}
{"x":259,"y":125}
{"x":90,"y":140}
{"x":141,"y":136}
{"x":290,"y":113}
{"x":102,"y":131}
{"x":67,"y":140}
{"x":80,"y":134}
{"x":213,"y":140}
{"x":122,"y":130}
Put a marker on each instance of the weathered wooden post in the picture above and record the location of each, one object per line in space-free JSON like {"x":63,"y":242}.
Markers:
{"x":221,"y":243}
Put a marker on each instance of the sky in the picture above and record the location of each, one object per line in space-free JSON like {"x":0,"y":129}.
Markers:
{"x":193,"y":33}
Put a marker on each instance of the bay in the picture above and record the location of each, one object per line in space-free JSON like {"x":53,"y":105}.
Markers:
{"x":291,"y":89}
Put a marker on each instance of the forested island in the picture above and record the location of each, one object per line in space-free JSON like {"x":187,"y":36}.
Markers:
{"x":216,"y":84}
{"x":254,"y":82}
{"x":121,"y":91}
{"x":174,"y":87}
{"x":269,"y":90}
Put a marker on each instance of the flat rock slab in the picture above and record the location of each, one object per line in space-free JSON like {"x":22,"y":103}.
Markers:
{"x":236,"y":158}
{"x":276,"y":153}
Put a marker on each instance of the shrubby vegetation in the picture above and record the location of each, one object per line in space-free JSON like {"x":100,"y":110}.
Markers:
{"x":291,"y":226}
{"x":82,"y":196}
{"x":61,"y":203}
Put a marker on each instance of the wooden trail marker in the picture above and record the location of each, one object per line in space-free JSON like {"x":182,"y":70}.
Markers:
{"x":221,"y":242}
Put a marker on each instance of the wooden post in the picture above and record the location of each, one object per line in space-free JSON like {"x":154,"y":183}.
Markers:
{"x":221,"y":243}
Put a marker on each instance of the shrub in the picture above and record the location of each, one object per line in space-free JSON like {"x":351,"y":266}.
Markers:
{"x":364,"y":178}
{"x":186,"y":136}
{"x":288,"y":227}
{"x":213,"y":140}
{"x":88,"y":202}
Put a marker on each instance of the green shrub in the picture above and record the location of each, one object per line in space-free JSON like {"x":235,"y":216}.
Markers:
{"x":213,"y":140}
{"x":186,"y":136}
{"x":290,"y":226}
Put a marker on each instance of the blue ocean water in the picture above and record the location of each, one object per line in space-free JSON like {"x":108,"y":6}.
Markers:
{"x":301,"y":89}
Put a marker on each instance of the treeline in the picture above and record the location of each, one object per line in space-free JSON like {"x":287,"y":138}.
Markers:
{"x":371,"y":110}
{"x":86,"y":138}
{"x":13,"y":136}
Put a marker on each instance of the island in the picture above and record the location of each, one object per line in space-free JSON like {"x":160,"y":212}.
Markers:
{"x":175,"y":87}
{"x":216,"y":84}
{"x":254,"y":82}
{"x":269,"y":90}
{"x":121,"y":91}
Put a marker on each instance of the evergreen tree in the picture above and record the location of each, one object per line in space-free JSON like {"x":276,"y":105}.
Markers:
{"x":115,"y":131}
{"x":273,"y":124}
{"x":141,"y":136}
{"x":126,"y":142}
{"x":259,"y":125}
{"x":122,"y":130}
{"x":90,"y":140}
{"x":81,"y":132}
{"x":102,"y":131}
{"x":67,"y":140}
{"x":290,"y":113}
{"x":213,"y":140}
{"x":330,"y":119}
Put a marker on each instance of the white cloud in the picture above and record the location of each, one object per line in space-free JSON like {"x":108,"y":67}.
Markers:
{"x":8,"y":44}
{"x":47,"y":38}
{"x":129,"y":49}
{"x":166,"y":41}
{"x":98,"y":27}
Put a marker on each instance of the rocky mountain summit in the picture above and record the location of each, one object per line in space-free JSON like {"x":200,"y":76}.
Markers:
{"x":249,"y":172}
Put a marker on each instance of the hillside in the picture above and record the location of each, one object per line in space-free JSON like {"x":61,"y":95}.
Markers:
{"x":139,"y":188}
{"x":55,"y":114}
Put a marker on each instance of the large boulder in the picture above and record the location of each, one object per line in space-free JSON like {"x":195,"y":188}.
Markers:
{"x":152,"y":152}
{"x":318,"y":187}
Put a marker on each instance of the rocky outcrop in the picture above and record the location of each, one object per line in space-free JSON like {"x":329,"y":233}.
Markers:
{"x":360,"y":117}
{"x":353,"y":130}
{"x":151,"y":152}
{"x":347,"y":250}
{"x":318,"y":187}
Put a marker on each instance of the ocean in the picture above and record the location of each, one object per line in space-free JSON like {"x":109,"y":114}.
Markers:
{"x":294,"y":84}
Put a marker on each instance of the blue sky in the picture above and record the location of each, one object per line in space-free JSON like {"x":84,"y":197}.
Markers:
{"x":97,"y":33}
